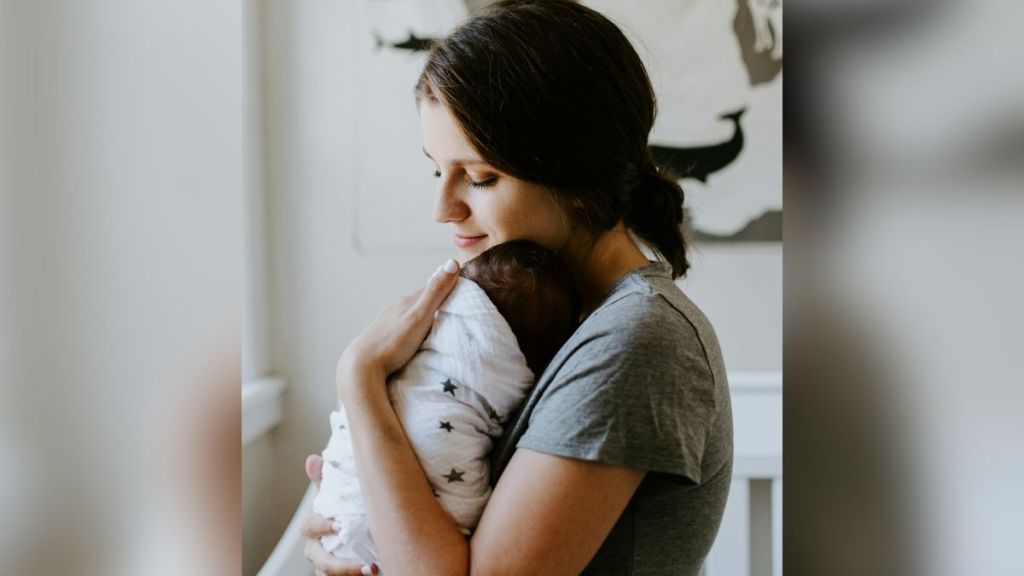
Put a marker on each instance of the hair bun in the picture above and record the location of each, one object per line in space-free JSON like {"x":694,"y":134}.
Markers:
{"x":656,"y":214}
{"x":649,"y":172}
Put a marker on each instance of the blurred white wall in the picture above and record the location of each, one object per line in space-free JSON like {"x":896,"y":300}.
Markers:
{"x":121,"y":138}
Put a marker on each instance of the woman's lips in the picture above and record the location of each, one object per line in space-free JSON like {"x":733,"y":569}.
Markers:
{"x":467,"y":241}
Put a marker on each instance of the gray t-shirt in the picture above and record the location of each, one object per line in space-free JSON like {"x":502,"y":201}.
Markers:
{"x":641,"y":383}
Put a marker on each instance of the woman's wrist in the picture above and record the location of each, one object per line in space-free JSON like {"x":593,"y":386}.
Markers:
{"x":352,"y":372}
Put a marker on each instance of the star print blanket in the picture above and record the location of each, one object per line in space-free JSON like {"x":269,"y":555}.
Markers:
{"x":452,"y":399}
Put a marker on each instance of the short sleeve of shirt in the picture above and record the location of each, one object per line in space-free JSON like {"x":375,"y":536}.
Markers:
{"x":635,"y":389}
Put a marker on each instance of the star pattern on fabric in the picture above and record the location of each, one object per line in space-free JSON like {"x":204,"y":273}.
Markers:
{"x":449,"y":387}
{"x":493,"y":414}
{"x":454,"y":476}
{"x":446,"y":425}
{"x":334,"y":463}
{"x":341,"y":427}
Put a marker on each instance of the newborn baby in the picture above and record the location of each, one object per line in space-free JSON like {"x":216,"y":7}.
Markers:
{"x":507,"y":316}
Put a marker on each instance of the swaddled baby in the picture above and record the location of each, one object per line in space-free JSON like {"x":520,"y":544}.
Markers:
{"x":509,"y":313}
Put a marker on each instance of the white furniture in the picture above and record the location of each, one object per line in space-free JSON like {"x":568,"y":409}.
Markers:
{"x":288,"y":557}
{"x":749,"y":542}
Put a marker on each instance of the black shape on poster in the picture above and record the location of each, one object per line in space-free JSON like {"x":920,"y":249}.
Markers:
{"x":411,"y":44}
{"x":702,"y":161}
{"x":765,"y":228}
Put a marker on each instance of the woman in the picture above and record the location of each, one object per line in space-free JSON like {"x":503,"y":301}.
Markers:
{"x":536,"y":115}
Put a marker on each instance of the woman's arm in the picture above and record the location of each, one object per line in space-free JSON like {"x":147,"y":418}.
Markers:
{"x":413,"y":534}
{"x":547,"y":515}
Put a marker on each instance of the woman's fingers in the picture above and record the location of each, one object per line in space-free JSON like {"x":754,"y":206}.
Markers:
{"x":314,"y":525}
{"x":437,"y":289}
{"x":328,"y":564}
{"x":315,"y":468}
{"x":393,"y":337}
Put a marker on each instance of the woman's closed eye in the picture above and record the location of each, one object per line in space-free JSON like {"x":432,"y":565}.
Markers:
{"x":474,"y":183}
{"x":481,"y":183}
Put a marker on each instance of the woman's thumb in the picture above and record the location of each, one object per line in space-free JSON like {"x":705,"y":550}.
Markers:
{"x":439,"y":286}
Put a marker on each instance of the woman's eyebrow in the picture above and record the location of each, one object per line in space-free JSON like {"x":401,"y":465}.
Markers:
{"x":460,"y":161}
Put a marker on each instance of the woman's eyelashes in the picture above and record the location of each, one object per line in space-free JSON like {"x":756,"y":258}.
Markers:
{"x":481,"y":183}
{"x":474,"y":183}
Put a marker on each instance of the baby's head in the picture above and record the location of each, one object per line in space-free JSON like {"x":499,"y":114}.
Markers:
{"x":533,"y":290}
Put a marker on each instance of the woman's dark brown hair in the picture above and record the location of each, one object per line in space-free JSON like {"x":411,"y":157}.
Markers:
{"x":553,"y":93}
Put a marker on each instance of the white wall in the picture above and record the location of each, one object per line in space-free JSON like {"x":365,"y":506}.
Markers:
{"x":120,"y":189}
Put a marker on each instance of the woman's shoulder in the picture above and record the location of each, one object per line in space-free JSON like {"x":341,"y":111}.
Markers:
{"x":640,"y":384}
{"x":646,"y":310}
{"x":646,"y":338}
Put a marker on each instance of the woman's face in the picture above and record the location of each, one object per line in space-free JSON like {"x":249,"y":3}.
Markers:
{"x":482,"y":206}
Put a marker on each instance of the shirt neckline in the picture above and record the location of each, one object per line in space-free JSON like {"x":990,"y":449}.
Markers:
{"x":651,"y":269}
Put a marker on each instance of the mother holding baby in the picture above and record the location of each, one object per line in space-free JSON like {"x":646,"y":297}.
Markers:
{"x":537,"y":114}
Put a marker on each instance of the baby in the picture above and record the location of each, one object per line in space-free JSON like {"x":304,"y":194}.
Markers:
{"x":507,"y":316}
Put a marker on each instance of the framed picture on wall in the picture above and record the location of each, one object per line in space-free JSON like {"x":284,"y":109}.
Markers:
{"x":717,"y":71}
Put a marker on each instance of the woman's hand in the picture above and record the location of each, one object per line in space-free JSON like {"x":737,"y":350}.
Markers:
{"x":314,"y":526}
{"x":395,"y":334}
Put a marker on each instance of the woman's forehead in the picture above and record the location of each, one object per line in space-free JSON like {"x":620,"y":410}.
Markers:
{"x":443,"y":138}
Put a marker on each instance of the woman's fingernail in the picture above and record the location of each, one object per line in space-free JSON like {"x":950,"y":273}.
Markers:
{"x":374,"y":569}
{"x":450,"y":266}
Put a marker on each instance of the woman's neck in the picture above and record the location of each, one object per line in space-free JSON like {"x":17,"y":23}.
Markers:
{"x":612,"y":256}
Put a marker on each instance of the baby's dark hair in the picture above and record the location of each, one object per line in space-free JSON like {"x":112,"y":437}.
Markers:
{"x":532,"y":288}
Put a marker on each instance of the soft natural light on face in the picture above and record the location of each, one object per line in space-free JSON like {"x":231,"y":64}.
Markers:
{"x":481,"y":206}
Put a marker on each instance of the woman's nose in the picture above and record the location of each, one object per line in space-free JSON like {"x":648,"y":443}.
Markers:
{"x":449,"y":206}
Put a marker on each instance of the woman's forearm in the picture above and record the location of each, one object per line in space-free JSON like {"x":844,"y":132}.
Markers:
{"x":413,"y":534}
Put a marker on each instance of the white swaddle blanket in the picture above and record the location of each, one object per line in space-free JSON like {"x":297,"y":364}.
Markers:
{"x":452,"y":399}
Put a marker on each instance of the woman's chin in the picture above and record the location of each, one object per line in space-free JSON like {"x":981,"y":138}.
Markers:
{"x":467,"y":254}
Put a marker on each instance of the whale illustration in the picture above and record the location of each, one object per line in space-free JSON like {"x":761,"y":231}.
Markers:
{"x":700,"y":162}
